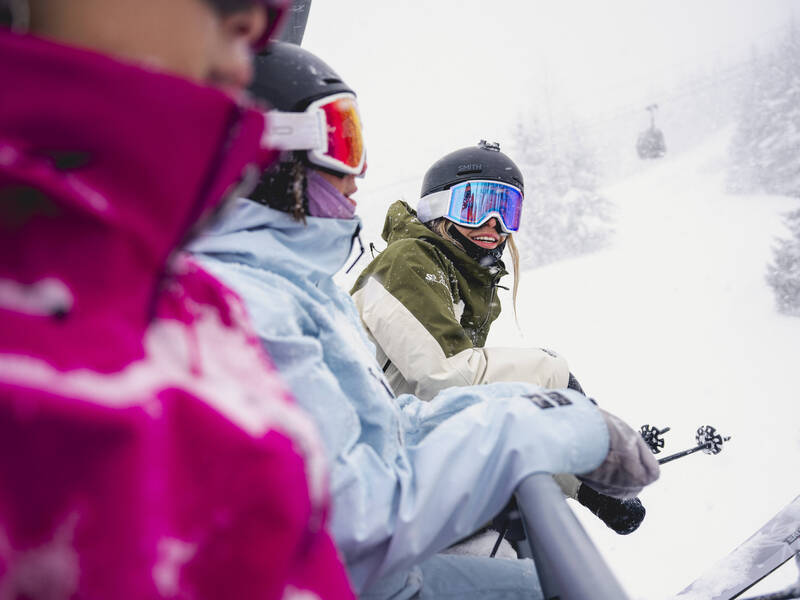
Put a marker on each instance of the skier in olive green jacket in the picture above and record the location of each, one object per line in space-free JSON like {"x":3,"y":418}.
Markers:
{"x":429,"y":299}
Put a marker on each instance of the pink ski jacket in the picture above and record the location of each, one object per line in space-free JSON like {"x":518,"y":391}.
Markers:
{"x":147,"y":447}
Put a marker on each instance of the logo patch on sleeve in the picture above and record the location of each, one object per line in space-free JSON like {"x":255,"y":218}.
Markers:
{"x":549,"y":399}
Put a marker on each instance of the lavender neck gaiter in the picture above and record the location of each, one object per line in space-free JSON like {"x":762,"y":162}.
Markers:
{"x":326,"y":201}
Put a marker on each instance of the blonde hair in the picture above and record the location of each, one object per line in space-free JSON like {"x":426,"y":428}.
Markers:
{"x":439,"y":226}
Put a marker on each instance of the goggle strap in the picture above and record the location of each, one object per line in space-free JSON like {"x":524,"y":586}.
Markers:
{"x":433,"y":206}
{"x":296,"y":131}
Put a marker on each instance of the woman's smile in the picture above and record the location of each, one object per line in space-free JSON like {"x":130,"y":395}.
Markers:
{"x":485,"y":236}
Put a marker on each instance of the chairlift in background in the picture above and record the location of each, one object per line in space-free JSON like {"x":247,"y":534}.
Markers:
{"x":650,"y":143}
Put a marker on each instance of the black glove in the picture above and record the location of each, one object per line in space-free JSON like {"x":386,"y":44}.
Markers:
{"x":623,"y":516}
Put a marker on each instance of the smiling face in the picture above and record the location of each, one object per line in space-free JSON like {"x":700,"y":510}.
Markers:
{"x":485,"y":236}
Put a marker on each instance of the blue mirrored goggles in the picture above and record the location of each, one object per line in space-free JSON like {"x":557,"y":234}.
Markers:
{"x":472,"y":203}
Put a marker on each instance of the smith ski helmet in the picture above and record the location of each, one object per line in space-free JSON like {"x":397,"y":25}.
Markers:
{"x":471,"y":185}
{"x":316,"y":113}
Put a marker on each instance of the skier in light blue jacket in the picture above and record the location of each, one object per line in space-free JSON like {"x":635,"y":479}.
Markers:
{"x":409,"y":478}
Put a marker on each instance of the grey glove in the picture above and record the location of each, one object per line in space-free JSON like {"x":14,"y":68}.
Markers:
{"x":629,"y":465}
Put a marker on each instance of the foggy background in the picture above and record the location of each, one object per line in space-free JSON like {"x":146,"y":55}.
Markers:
{"x":436,"y":75}
{"x":671,"y":285}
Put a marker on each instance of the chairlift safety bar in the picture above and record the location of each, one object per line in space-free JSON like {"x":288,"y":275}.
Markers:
{"x":569,"y":565}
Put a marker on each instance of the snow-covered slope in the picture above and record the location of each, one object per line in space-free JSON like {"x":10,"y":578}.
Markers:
{"x":674,"y":325}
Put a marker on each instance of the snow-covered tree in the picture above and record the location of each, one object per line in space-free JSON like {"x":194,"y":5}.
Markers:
{"x":766,"y":144}
{"x":564,"y":214}
{"x":765,"y":149}
{"x":783,"y":274}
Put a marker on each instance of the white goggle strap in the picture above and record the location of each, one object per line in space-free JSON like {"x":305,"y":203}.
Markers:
{"x":433,"y":206}
{"x":297,"y":131}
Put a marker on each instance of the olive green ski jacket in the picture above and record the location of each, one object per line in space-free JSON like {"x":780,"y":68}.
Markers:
{"x":428,"y":307}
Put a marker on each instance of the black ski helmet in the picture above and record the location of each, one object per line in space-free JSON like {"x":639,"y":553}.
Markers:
{"x":484,"y":161}
{"x":289,"y":78}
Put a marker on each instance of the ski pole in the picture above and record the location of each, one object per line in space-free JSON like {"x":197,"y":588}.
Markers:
{"x":708,"y":440}
{"x":677,"y":455}
{"x":500,"y":538}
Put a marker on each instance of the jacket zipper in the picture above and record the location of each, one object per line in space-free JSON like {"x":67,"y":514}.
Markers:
{"x":491,"y":298}
{"x":382,"y":381}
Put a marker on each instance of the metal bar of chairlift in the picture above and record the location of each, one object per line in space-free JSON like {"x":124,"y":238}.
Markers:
{"x":569,"y":565}
{"x":295,"y":27}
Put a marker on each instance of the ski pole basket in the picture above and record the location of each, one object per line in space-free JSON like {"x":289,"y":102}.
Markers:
{"x":569,"y":565}
{"x":708,"y":440}
{"x":653,"y":437}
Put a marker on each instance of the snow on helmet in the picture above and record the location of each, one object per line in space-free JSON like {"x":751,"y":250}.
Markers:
{"x":471,"y":185}
{"x":289,"y":77}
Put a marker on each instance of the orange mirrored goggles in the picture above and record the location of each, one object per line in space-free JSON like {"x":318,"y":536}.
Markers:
{"x":329,"y":130}
{"x":345,"y":151}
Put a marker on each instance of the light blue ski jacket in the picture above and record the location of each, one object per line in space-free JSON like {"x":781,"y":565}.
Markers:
{"x":408,"y":478}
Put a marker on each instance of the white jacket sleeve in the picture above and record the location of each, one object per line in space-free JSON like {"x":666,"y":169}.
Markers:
{"x":419,"y":365}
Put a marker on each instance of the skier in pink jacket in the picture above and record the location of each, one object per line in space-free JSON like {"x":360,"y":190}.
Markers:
{"x":147,"y":447}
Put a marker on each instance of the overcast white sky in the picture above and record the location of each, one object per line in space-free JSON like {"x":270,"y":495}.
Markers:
{"x":436,"y":75}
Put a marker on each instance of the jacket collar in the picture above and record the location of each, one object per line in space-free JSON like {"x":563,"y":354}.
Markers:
{"x":402,"y":222}
{"x":266,"y":238}
{"x":122,"y":161}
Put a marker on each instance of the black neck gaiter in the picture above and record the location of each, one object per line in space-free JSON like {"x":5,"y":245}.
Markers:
{"x":483,"y":256}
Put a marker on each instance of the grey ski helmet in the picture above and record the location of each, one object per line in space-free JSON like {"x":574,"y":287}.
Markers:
{"x":484,"y":161}
{"x":289,"y":78}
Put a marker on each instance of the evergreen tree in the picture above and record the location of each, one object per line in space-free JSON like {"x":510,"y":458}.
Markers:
{"x":766,"y":144}
{"x":784,"y":272}
{"x":742,"y":176}
{"x":564,"y":215}
{"x":783,"y":142}
{"x":764,"y":154}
